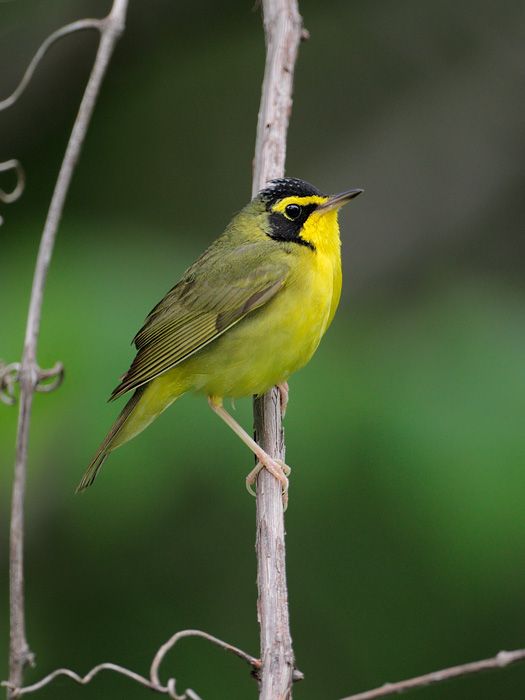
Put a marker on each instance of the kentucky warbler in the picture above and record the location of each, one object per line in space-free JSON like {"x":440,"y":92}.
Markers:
{"x":249,"y":312}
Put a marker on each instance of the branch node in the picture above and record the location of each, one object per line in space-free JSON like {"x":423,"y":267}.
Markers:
{"x":10,"y":375}
{"x":504,"y":658}
{"x":297,"y":675}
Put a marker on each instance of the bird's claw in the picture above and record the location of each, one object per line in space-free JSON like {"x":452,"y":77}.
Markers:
{"x":278,"y":469}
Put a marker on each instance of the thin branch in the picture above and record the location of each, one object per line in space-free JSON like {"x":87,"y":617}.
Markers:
{"x":29,"y":373}
{"x":504,"y":658}
{"x":153,"y":682}
{"x":283,"y":32}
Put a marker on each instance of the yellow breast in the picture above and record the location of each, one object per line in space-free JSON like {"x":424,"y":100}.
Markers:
{"x":266,"y":346}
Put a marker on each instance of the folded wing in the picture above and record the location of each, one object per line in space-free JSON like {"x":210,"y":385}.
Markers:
{"x":220,"y":289}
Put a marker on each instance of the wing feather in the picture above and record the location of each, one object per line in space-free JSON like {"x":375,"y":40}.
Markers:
{"x":214,"y":294}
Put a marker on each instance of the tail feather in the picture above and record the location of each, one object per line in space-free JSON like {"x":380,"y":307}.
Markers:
{"x":108,"y":442}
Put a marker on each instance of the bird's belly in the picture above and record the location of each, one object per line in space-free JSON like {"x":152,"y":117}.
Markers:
{"x":263,"y":349}
{"x":251,"y":359}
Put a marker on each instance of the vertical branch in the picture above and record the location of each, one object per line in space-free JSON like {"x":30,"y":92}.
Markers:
{"x":29,"y":374}
{"x":283,"y":29}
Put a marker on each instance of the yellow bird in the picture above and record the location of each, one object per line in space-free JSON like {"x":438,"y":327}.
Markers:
{"x":250,"y":311}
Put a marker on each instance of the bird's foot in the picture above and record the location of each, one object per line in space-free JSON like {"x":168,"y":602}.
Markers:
{"x":284,"y":391}
{"x":277,"y":468}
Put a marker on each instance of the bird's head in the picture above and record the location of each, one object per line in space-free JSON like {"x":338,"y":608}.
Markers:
{"x":298,"y":212}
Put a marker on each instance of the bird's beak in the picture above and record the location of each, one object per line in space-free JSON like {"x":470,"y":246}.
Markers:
{"x":336,"y":201}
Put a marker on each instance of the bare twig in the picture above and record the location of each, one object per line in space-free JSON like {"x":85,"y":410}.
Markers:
{"x":153,"y":682}
{"x":29,"y":373}
{"x":504,"y":658}
{"x":282,"y":24}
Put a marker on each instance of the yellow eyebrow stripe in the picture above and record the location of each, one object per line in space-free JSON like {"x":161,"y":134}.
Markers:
{"x":302,"y":201}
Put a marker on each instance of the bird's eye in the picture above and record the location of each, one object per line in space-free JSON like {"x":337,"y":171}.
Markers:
{"x":293,"y":211}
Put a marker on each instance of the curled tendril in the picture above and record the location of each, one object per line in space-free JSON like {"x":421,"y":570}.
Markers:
{"x":56,"y":372}
{"x":63,"y":31}
{"x":9,"y":375}
{"x":153,"y":682}
{"x":16,"y":166}
{"x":8,"y":197}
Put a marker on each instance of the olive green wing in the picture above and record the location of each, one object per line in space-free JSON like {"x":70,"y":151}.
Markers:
{"x":214,"y":294}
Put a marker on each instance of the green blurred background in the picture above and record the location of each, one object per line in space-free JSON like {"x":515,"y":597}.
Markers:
{"x":405,"y":432}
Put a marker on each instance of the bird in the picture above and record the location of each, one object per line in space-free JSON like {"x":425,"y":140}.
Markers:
{"x":249,"y":312}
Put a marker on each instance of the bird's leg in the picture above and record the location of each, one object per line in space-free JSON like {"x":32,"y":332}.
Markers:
{"x":284,"y":390}
{"x":277,"y":467}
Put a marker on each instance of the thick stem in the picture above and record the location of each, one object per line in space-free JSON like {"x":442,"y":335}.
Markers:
{"x":283,"y":28}
{"x":277,"y":658}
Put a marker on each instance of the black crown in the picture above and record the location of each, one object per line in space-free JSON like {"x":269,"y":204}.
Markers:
{"x":288,"y":187}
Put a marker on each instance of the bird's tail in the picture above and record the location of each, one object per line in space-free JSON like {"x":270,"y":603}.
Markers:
{"x":142,"y":408}
{"x":110,"y":442}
